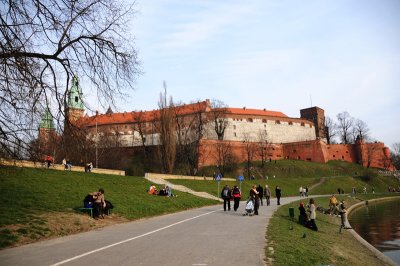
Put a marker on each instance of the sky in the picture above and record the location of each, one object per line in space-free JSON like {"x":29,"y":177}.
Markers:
{"x":339,"y":55}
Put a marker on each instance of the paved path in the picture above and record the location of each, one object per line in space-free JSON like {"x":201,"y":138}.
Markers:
{"x":204,"y":236}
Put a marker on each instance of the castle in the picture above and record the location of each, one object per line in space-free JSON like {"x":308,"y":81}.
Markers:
{"x":271,"y":134}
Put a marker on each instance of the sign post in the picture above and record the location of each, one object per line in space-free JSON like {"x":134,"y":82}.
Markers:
{"x":218,"y":179}
{"x":240,"y":178}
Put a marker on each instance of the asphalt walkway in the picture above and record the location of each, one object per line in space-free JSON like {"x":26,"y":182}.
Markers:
{"x":203,"y":236}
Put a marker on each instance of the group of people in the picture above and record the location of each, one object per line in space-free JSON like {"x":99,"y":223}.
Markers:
{"x":303,"y":191}
{"x":165,"y":191}
{"x":256,"y":195}
{"x":307,"y":217}
{"x":97,"y":202}
{"x":67,"y":164}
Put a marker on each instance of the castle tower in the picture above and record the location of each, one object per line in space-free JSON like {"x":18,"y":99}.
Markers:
{"x":47,"y":133}
{"x":75,"y":108}
{"x":317,"y":116}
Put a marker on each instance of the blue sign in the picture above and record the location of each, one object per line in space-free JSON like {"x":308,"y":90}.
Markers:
{"x":218,"y":177}
{"x":240,"y":178}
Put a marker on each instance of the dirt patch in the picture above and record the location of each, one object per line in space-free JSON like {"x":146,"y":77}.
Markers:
{"x":56,"y":224}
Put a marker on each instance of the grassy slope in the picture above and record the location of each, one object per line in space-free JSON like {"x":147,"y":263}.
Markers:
{"x":26,"y":194}
{"x":325,"y":247}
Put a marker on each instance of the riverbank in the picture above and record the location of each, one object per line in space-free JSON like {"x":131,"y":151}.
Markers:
{"x":374,"y":250}
{"x":289,"y":243}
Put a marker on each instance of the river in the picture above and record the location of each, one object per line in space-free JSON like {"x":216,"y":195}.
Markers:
{"x":379,"y":224}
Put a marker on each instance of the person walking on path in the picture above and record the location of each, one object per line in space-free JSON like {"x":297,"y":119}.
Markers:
{"x":301,"y":191}
{"x":260,"y":191}
{"x":255,"y":197}
{"x":267,"y":194}
{"x":237,"y":195}
{"x":313,"y":215}
{"x":226,"y":196}
{"x":278,"y":194}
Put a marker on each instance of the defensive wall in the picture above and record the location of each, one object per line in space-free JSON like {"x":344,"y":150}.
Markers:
{"x":366,"y":154}
{"x":23,"y":163}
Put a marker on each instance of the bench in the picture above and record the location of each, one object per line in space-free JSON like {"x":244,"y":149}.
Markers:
{"x":88,"y":210}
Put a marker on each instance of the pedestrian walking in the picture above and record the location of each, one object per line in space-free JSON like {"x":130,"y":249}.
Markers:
{"x":237,"y":195}
{"x":255,"y":197}
{"x":226,"y":196}
{"x":278,"y":194}
{"x":260,"y":191}
{"x":267,"y":194}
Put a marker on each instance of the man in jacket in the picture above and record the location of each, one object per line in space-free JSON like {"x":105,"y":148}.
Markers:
{"x":226,"y":196}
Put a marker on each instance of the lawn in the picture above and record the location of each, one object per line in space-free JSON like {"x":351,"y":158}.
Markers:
{"x":27,"y":196}
{"x":290,"y":243}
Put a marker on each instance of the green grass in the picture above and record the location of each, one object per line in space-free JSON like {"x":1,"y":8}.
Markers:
{"x":26,"y":194}
{"x":325,"y":247}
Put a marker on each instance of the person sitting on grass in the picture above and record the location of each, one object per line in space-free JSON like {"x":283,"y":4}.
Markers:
{"x":99,"y":203}
{"x":152,"y":190}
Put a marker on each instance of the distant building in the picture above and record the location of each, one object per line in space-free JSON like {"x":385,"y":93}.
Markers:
{"x":284,"y":137}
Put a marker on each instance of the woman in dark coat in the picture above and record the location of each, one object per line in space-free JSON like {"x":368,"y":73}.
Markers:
{"x":278,"y":194}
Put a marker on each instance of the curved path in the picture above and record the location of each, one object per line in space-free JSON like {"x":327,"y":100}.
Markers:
{"x":204,"y":236}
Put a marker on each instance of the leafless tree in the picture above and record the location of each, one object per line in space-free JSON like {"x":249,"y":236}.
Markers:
{"x":250,"y":149}
{"x":263,"y":146}
{"x":361,"y":129}
{"x":224,"y":156}
{"x":218,"y":115}
{"x":167,"y":132}
{"x":330,"y":129}
{"x":345,"y":124}
{"x":43,"y":43}
{"x":190,"y":129}
{"x":395,"y":155}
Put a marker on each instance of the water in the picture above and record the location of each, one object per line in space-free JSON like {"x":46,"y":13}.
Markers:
{"x":379,"y":224}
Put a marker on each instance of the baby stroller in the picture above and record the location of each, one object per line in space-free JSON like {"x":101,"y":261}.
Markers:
{"x":249,"y":209}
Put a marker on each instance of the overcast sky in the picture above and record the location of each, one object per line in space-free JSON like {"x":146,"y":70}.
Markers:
{"x":339,"y":55}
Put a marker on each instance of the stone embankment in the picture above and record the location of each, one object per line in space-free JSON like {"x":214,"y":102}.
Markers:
{"x":30,"y":164}
{"x":161,"y":180}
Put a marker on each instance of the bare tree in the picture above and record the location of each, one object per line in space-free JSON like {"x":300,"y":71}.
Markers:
{"x":345,"y":124}
{"x":43,"y":43}
{"x":395,"y":155}
{"x":224,"y":156}
{"x":330,"y":129}
{"x":360,"y":129}
{"x":218,"y":115}
{"x":190,"y":129}
{"x":250,"y":149}
{"x":263,"y":146}
{"x":167,"y":132}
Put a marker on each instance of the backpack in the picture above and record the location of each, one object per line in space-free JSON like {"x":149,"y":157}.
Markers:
{"x":88,"y":201}
{"x":225,"y":193}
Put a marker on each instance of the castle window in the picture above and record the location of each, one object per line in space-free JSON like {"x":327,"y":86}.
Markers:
{"x":234,"y":126}
{"x":290,"y":123}
{"x":265,"y":125}
{"x":334,"y":156}
{"x":310,"y":125}
{"x":234,"y":133}
{"x":277,"y":122}
{"x":342,"y":157}
{"x":249,"y":119}
{"x":76,"y":99}
{"x":302,"y":124}
{"x":264,"y":120}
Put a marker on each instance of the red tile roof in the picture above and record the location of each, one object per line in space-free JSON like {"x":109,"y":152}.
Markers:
{"x":245,"y":111}
{"x":143,"y":116}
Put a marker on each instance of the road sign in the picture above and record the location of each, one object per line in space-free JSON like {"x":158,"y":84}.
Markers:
{"x":240,"y":178}
{"x":218,"y":177}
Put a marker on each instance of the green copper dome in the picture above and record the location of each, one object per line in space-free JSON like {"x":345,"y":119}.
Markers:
{"x":47,"y":120}
{"x":75,"y":95}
